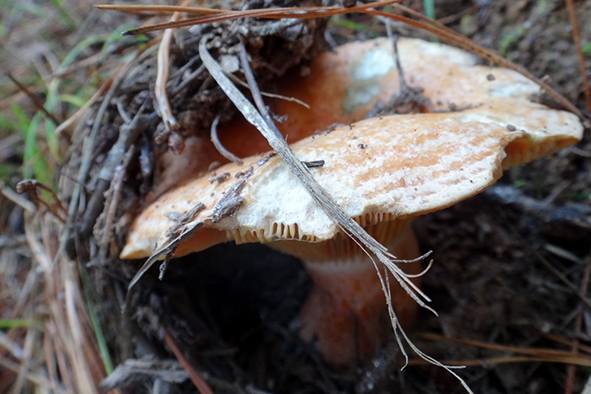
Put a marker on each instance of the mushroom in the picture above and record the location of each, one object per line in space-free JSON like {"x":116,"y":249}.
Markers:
{"x":383,"y":172}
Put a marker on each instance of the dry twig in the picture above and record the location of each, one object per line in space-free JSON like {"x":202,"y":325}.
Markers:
{"x":168,"y":118}
{"x":218,"y":144}
{"x":200,"y":383}
{"x":577,"y":39}
{"x":34,"y":98}
{"x":570,"y":373}
{"x":533,"y":354}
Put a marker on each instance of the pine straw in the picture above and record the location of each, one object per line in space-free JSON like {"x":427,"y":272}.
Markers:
{"x":57,"y":333}
{"x":47,"y":339}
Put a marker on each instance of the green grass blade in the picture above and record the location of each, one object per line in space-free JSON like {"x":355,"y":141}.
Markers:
{"x":82,"y":45}
{"x":34,"y":164}
{"x":7,"y":124}
{"x":96,"y":324}
{"x":65,"y":17}
{"x":351,"y":25}
{"x":429,"y":8}
{"x":21,"y":116}
{"x":17,"y":323}
{"x":6,"y":169}
{"x":75,"y":100}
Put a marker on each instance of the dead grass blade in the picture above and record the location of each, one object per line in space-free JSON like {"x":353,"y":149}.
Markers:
{"x":200,"y":383}
{"x":168,"y":118}
{"x":564,"y":341}
{"x":570,"y":373}
{"x":572,"y":16}
{"x":534,"y":354}
{"x":38,"y":104}
{"x":158,"y":9}
{"x":571,"y":360}
{"x":270,"y":13}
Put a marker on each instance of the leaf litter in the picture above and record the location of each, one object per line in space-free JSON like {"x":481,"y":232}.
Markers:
{"x":124,"y":272}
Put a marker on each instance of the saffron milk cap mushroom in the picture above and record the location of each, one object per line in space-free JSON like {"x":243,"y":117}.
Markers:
{"x":383,"y":172}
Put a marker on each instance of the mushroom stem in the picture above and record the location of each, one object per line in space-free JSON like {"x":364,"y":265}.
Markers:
{"x":345,"y":313}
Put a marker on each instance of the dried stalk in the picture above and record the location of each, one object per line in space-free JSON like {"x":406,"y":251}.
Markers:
{"x":198,"y":381}
{"x":570,"y":372}
{"x":272,"y":13}
{"x":572,"y":16}
{"x":168,"y":118}
{"x":218,"y":144}
{"x":534,"y":354}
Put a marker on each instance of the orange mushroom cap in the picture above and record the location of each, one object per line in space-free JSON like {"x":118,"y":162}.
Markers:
{"x":376,"y":170}
{"x":382,"y":172}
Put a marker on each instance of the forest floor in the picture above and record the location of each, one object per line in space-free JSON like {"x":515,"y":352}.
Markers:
{"x":510,"y":279}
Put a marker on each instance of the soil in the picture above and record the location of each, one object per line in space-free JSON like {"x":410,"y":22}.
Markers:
{"x":508,"y":263}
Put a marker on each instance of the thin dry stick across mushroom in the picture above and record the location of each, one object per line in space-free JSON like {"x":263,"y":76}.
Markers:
{"x":382,"y":172}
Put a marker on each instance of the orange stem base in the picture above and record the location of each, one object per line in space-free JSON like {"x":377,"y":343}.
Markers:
{"x":345,"y":314}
